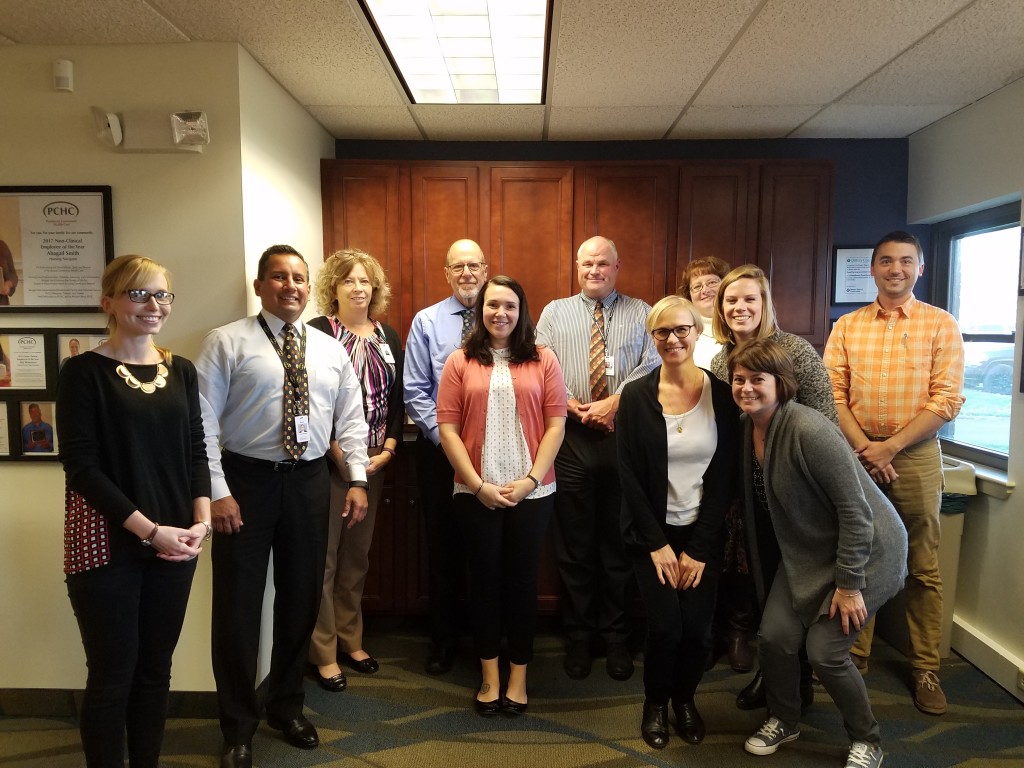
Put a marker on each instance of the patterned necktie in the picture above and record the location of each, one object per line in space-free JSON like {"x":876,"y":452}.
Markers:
{"x":467,"y":323}
{"x":598,"y":381}
{"x":296,"y":391}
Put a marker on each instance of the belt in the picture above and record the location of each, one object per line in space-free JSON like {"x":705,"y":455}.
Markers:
{"x":289,"y":465}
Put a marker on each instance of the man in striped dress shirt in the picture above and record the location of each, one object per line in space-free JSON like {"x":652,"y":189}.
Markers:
{"x":598,"y":336}
{"x":897,"y":369}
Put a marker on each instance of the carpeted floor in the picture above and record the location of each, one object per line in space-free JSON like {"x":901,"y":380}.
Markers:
{"x":404,"y":718}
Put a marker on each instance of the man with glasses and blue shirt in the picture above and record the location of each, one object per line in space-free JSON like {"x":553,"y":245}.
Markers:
{"x":598,"y":336}
{"x":436,"y":332}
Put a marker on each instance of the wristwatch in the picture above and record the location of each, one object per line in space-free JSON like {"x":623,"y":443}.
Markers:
{"x":359,"y":484}
{"x":148,"y":541}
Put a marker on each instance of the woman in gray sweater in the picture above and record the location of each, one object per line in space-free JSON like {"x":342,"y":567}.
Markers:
{"x":843,"y":549}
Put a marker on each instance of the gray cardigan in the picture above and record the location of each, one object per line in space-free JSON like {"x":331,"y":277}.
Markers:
{"x":834,"y":526}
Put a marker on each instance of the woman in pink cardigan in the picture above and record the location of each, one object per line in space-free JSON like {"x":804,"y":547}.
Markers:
{"x":501,"y":409}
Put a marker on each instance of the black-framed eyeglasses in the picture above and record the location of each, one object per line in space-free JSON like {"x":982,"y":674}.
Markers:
{"x":458,"y":269}
{"x":680,"y":332}
{"x":140,"y":296}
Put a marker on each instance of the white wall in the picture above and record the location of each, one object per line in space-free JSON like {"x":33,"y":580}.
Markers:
{"x":972,"y":160}
{"x":196,"y":213}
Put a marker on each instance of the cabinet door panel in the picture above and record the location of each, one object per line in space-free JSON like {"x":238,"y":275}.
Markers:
{"x":717,"y":214}
{"x":794,"y":244}
{"x":361,"y":210}
{"x":445,"y":208}
{"x":531,"y":230}
{"x":631,"y":206}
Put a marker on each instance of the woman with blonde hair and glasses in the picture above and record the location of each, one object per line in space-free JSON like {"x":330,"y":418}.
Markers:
{"x":351,"y":290}
{"x":677,"y":444}
{"x":137,"y":509}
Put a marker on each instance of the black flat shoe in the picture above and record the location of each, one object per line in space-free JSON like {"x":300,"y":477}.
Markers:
{"x":335,"y":683}
{"x":654,"y":726}
{"x":365,"y":666}
{"x":298,"y":732}
{"x":752,"y":696}
{"x":236,"y":756}
{"x":689,"y":723}
{"x":487,"y":708}
{"x":512,"y":708}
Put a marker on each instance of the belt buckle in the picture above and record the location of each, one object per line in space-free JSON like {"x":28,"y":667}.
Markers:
{"x":286,"y":466}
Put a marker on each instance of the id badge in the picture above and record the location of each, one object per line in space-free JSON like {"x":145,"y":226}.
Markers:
{"x":609,"y":365}
{"x":302,"y":429}
{"x":386,"y":354}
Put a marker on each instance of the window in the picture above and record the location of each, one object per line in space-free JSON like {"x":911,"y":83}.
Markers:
{"x":977,"y":260}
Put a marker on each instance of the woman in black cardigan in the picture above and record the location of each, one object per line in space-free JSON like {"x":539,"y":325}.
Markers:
{"x":677,"y":440}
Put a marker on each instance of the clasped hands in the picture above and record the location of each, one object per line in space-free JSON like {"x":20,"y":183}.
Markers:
{"x":876,"y":458}
{"x":499,"y":496}
{"x":682,"y":572}
{"x":599,"y":415}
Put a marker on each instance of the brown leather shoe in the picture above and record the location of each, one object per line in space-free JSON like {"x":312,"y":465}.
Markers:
{"x":741,"y":656}
{"x":928,"y":695}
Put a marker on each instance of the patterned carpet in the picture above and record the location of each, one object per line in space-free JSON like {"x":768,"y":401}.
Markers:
{"x":404,"y":718}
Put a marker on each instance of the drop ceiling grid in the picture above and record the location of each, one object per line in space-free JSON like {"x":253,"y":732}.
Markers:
{"x":609,"y":123}
{"x":745,"y":122}
{"x":382,"y":123}
{"x":481,"y":122}
{"x":58,"y":22}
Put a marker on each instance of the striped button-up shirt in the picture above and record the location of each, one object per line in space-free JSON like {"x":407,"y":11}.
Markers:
{"x":565,"y":326}
{"x":887,"y":367}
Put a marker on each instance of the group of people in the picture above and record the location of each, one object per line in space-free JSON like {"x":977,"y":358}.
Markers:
{"x":675,"y":448}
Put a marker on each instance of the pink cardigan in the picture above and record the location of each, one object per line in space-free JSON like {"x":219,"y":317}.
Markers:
{"x":465,"y":387}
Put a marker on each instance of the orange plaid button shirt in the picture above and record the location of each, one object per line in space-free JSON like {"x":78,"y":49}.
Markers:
{"x":888,"y":366}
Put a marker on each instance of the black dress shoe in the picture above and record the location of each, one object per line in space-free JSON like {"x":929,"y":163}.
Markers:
{"x":654,"y":726}
{"x":578,"y":659}
{"x":335,"y":683}
{"x":512,"y":708}
{"x":366,"y":666}
{"x":752,"y":696}
{"x":298,"y":732}
{"x":487,"y":708}
{"x":741,"y":656}
{"x":689,"y":723}
{"x":441,"y":660}
{"x":236,"y":756}
{"x":619,"y":663}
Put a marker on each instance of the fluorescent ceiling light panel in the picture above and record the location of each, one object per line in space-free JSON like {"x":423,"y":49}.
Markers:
{"x":474,"y":39}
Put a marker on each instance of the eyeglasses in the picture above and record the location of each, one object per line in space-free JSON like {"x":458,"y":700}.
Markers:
{"x":680,"y":332}
{"x":140,"y":296}
{"x":699,"y":287}
{"x":458,"y":269}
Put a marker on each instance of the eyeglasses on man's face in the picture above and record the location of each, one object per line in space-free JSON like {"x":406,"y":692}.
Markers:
{"x":473,"y":266}
{"x":140,"y":296}
{"x":680,"y":332}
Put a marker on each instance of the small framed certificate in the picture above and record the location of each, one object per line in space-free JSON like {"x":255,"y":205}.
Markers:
{"x":852,"y":280}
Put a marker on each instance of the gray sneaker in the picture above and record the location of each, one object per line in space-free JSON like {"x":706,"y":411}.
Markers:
{"x":864,"y":755}
{"x":769,"y":736}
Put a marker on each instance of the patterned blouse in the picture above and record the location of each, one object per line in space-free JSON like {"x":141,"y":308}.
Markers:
{"x":375,"y":374}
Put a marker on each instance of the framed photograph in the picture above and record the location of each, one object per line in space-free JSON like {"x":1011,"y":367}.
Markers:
{"x":852,"y":281}
{"x":38,"y":429}
{"x":5,"y":432}
{"x":23,"y":361}
{"x":1020,"y":278}
{"x":54,"y":245}
{"x":75,"y":343}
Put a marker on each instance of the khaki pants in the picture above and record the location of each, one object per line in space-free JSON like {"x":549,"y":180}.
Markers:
{"x":917,"y":495}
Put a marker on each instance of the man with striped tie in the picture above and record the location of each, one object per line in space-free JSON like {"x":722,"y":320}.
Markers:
{"x":599,"y":339}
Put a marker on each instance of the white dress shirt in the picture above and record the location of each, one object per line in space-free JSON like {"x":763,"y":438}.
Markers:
{"x":241,"y":385}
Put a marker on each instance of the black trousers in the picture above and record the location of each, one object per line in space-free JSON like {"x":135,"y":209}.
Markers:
{"x":504,"y":547}
{"x":678,"y":626}
{"x":588,"y":546}
{"x":287,"y":513}
{"x":130,"y":616}
{"x":446,"y":558}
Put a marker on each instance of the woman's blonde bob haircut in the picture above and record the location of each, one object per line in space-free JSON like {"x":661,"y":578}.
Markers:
{"x":671,"y":304}
{"x":722,"y":332}
{"x":127,"y":273}
{"x":337,"y":267}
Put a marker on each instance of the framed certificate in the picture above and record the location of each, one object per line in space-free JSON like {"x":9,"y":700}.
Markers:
{"x":852,"y":280}
{"x":54,"y":245}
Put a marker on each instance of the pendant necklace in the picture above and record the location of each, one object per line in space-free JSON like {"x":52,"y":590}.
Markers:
{"x":149,"y":387}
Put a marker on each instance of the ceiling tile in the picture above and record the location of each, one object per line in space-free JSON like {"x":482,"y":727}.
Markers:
{"x":369,"y":123}
{"x":751,"y":122}
{"x":609,"y":123}
{"x":850,"y":121}
{"x":60,"y":22}
{"x":611,"y":53}
{"x":481,"y":122}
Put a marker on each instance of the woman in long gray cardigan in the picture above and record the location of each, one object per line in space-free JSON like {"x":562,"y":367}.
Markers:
{"x":843,"y":549}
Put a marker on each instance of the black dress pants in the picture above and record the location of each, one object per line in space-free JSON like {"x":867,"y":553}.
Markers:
{"x":592,"y":562}
{"x":285,"y":513}
{"x":446,"y":557}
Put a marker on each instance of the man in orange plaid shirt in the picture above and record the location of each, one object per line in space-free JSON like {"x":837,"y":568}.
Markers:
{"x":897,"y":369}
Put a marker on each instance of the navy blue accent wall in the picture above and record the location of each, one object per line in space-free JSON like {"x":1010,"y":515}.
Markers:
{"x":870,"y":174}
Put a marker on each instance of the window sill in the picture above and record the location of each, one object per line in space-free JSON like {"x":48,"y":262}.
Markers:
{"x":993,"y":482}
